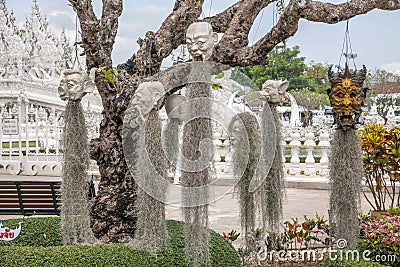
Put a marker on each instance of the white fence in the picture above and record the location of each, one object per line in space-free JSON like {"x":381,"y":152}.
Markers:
{"x":31,"y":142}
{"x":303,"y":146}
{"x":30,"y":139}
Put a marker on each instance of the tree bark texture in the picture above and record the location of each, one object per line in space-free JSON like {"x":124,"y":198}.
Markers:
{"x":113,"y":215}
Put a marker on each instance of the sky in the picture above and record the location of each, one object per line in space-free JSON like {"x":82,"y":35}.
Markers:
{"x":375,"y":36}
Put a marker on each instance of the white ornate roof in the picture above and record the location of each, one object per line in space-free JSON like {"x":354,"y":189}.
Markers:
{"x":32,"y":59}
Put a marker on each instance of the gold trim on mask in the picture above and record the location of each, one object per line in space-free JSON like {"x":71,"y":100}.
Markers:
{"x":347,"y":96}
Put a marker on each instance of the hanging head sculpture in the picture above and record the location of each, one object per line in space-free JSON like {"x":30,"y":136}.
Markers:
{"x":75,"y":84}
{"x":274,"y":91}
{"x":200,"y":40}
{"x":347,"y":96}
{"x":147,"y":96}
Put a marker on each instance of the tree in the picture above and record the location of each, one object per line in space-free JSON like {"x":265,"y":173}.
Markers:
{"x":113,"y":214}
{"x":317,"y":76}
{"x":382,"y":85}
{"x":284,"y":64}
{"x":309,"y":101}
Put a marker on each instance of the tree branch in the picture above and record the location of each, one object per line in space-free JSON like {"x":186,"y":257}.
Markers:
{"x":287,"y":26}
{"x":221,"y":21}
{"x":89,"y":29}
{"x":333,"y":13}
{"x":157,"y":46}
{"x":112,"y":9}
{"x":236,"y":35}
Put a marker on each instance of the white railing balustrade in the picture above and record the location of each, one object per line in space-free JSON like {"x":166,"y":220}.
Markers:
{"x":324,"y":145}
{"x":295,"y":151}
{"x":310,"y":161}
{"x":306,"y":151}
{"x":31,"y":138}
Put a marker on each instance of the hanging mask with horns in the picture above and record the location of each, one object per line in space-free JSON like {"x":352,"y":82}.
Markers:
{"x":347,"y":96}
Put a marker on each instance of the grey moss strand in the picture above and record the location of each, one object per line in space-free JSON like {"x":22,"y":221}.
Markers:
{"x":75,"y":218}
{"x":346,"y":172}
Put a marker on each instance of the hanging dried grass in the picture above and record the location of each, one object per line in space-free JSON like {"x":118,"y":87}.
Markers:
{"x":196,"y":217}
{"x":170,"y":141}
{"x":271,"y":193}
{"x":246,"y":159}
{"x":75,"y":219}
{"x":346,"y":174}
{"x":151,"y":229}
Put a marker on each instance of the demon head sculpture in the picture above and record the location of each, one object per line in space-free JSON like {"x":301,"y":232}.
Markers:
{"x":347,"y":96}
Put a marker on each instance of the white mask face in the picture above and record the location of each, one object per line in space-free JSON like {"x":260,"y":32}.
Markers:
{"x":74,"y":85}
{"x":147,"y":96}
{"x":200,"y":40}
{"x":274,"y":91}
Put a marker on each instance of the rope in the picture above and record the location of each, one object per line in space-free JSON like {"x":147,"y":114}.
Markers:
{"x":76,"y":59}
{"x":347,"y":47}
{"x":258,"y":26}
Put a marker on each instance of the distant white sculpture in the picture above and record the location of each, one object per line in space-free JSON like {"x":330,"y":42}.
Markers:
{"x":147,"y":96}
{"x":295,"y":113}
{"x":200,"y":40}
{"x":75,"y":84}
{"x":274,"y":91}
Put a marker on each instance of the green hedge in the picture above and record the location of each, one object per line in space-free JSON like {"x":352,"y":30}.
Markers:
{"x":33,"y":248}
{"x":36,"y":232}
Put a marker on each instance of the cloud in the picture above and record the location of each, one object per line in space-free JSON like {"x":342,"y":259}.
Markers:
{"x":124,"y":47}
{"x":393,"y":67}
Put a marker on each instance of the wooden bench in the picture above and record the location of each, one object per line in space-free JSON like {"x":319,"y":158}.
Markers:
{"x":32,"y":197}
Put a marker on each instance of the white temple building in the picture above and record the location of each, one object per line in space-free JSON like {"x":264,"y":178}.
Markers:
{"x":32,"y":59}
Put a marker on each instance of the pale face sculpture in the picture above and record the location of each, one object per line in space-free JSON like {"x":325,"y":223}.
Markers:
{"x":274,"y":91}
{"x":200,"y":40}
{"x":147,"y":96}
{"x":173,"y":104}
{"x":75,"y":84}
{"x":236,"y":131}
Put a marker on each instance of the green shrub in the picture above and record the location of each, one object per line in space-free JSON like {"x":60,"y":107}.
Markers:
{"x":31,"y":248}
{"x":382,"y":235}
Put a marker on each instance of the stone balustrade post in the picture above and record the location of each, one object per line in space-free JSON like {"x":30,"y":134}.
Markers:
{"x":324,"y":144}
{"x":295,"y":150}
{"x":310,"y":161}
